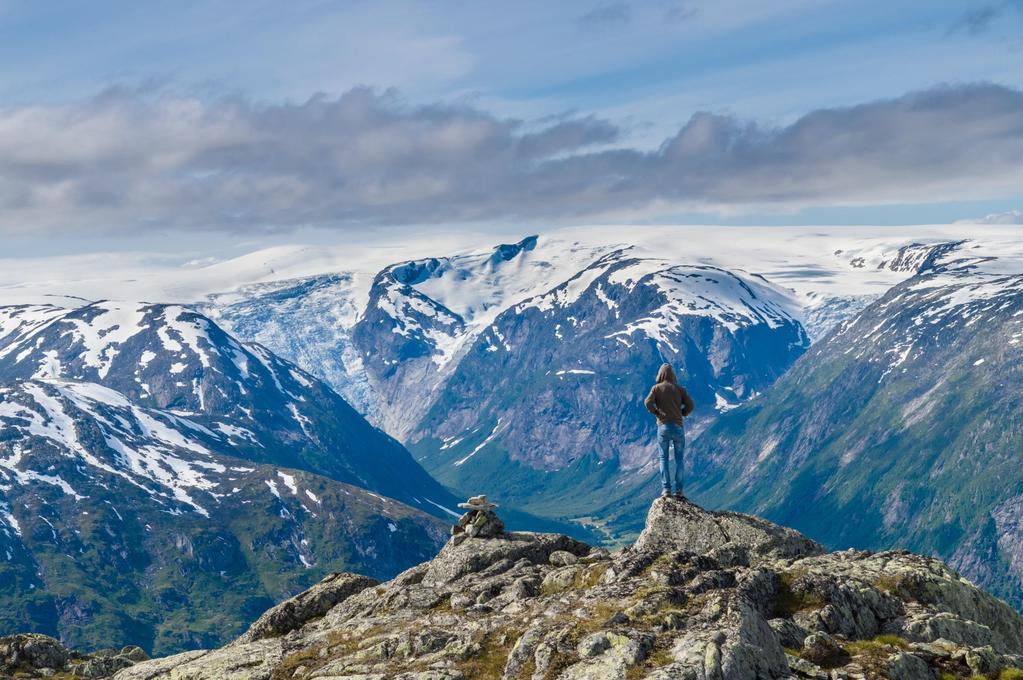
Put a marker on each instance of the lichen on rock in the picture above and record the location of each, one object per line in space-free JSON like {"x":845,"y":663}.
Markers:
{"x":701,"y":595}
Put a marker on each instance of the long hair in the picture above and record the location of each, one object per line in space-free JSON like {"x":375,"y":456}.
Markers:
{"x":666,"y":374}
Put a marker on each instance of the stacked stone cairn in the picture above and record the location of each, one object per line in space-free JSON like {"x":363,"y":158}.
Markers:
{"x":479,"y":521}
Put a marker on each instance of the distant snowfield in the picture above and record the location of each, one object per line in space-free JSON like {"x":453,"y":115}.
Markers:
{"x":816,"y":263}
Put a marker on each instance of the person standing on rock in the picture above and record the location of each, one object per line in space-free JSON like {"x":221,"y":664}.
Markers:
{"x":670,"y":402}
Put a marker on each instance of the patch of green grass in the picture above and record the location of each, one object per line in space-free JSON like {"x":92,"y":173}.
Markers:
{"x":661,"y":657}
{"x":791,"y":600}
{"x":658,"y":658}
{"x":866,"y":648}
{"x":1011,"y":674}
{"x":665,"y":561}
{"x":893,"y":640}
{"x":443,"y":606}
{"x":651,"y":591}
{"x":490,"y":662}
{"x":590,"y":577}
{"x":881,"y":646}
{"x":889,"y":584}
{"x":338,"y":644}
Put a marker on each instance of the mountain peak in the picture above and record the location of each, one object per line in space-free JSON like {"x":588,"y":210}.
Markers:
{"x":506,"y":251}
{"x":682,"y":603}
{"x":679,"y":524}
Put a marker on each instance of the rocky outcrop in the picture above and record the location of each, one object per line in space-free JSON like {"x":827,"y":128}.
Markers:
{"x":701,"y":596}
{"x":480,"y":521}
{"x":31,"y":655}
{"x":317,"y":601}
{"x":677,"y":524}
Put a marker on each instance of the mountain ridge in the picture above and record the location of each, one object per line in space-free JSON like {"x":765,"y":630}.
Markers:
{"x":214,"y":471}
{"x":701,"y":595}
{"x":904,"y":420}
{"x":549,"y":396}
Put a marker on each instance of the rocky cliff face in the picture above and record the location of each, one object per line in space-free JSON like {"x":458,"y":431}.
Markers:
{"x":701,"y":595}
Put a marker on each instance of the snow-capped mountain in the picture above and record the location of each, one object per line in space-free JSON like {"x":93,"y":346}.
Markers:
{"x":124,"y":523}
{"x":415,"y":343}
{"x":386,"y":337}
{"x":483,"y":358}
{"x":546,"y":406}
{"x":904,"y":421}
{"x":151,"y":464}
{"x":172,"y":358}
{"x":423,"y":314}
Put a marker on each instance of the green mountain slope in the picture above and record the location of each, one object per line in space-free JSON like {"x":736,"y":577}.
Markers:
{"x":902,"y":428}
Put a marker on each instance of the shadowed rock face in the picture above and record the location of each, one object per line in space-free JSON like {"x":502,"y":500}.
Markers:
{"x":701,"y":596}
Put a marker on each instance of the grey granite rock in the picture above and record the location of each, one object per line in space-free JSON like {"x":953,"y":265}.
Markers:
{"x":789,"y":633}
{"x":678,"y":524}
{"x":701,"y":596}
{"x":455,"y":561}
{"x":821,"y":649}
{"x":31,"y":651}
{"x":903,"y":666}
{"x":562,"y":558}
{"x":317,"y":601}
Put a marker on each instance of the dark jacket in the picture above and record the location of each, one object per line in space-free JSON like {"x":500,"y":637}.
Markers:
{"x":669,"y":402}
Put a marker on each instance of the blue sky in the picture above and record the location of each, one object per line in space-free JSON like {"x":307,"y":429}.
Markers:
{"x":556,"y":105}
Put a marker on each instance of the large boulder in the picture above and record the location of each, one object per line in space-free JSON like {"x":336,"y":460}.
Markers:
{"x":458,"y":559}
{"x":31,"y":652}
{"x":31,"y":655}
{"x":863,"y":593}
{"x":677,"y":524}
{"x":315,"y":602}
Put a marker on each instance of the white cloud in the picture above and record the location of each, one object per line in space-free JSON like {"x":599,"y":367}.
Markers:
{"x":127,"y":160}
{"x":1007,"y":217}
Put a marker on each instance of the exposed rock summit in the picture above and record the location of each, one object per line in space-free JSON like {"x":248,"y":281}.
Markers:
{"x":30,"y":655}
{"x":700,"y":596}
{"x":678,"y":524}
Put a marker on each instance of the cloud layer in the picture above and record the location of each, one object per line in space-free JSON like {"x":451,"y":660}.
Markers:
{"x":1007,"y":217}
{"x":127,"y":160}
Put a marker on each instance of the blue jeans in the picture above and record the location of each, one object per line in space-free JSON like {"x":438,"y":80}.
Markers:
{"x":666,"y":435}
